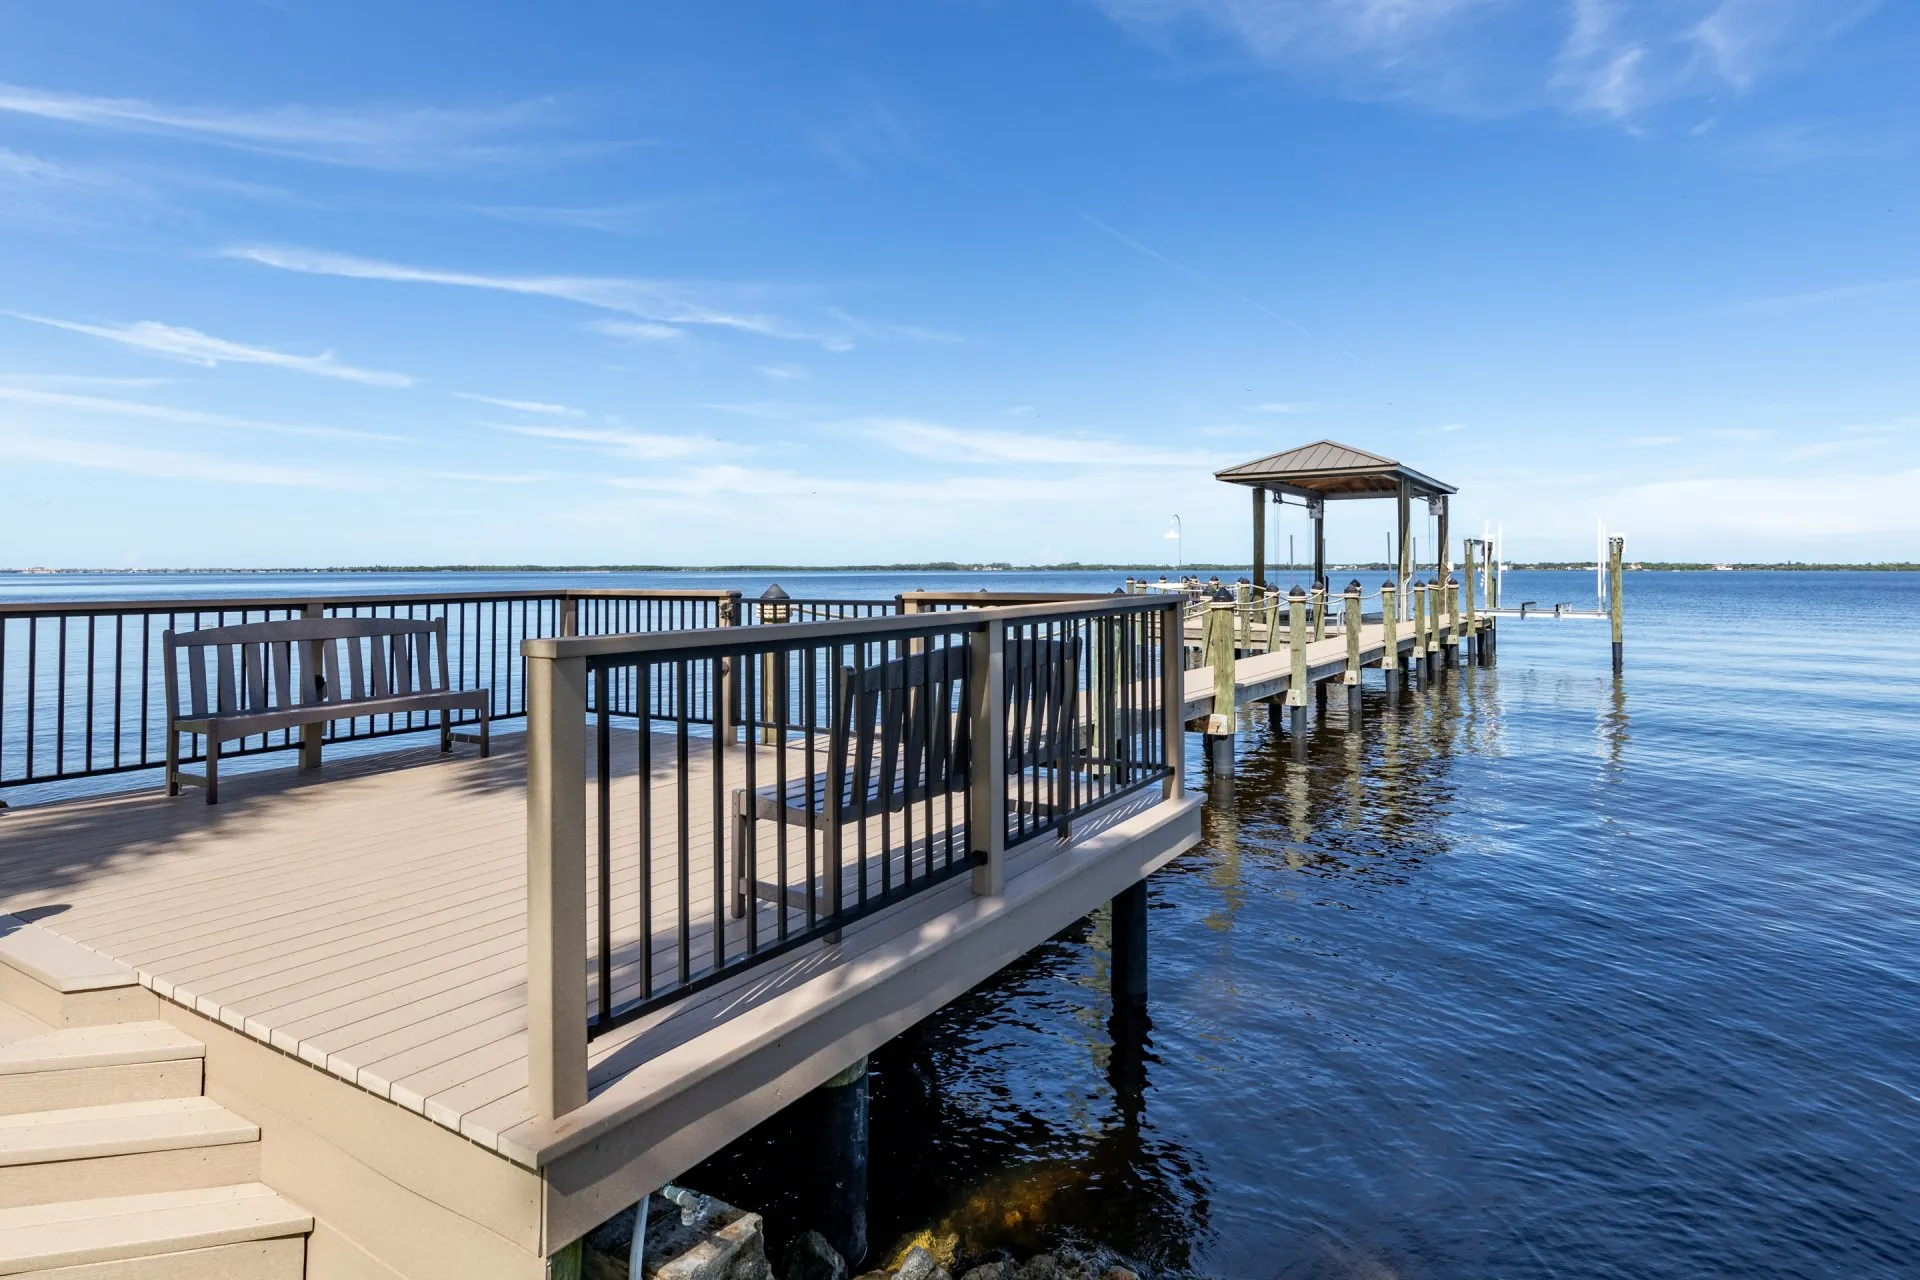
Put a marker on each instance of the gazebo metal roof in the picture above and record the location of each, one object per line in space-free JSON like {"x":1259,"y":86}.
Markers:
{"x":1328,"y":469}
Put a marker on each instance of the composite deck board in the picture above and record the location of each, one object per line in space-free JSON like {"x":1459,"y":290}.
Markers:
{"x":370,"y":918}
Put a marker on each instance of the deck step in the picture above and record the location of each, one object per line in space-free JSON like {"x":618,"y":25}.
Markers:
{"x":124,"y":1148}
{"x":95,"y":1066}
{"x":64,"y":984}
{"x":240,"y":1232}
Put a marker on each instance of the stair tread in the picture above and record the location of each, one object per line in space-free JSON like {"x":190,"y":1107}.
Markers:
{"x":58,"y":962}
{"x":120,"y":1128}
{"x":75,"y":1232}
{"x":108,"y":1045}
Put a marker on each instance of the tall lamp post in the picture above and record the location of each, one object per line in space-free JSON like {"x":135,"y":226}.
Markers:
{"x":1176,"y":536}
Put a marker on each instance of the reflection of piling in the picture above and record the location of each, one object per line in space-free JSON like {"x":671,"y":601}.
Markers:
{"x":1351,"y":621}
{"x":1297,"y":670}
{"x":1616,"y":549}
{"x":1390,"y":653}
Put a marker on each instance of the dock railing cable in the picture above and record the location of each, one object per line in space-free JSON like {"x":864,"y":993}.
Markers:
{"x":82,"y":684}
{"x":873,"y":759}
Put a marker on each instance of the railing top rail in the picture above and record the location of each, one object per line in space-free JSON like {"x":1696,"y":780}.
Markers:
{"x":1001,"y":597}
{"x":707,"y":639}
{"x":235,"y":604}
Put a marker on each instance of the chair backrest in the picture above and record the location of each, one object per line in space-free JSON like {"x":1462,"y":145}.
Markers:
{"x":277,"y":666}
{"x":1043,"y":694}
{"x":900,"y":732}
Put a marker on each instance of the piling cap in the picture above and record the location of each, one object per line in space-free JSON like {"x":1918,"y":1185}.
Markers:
{"x":1222,"y":596}
{"x":774,"y":591}
{"x":1389,"y":585}
{"x":1298,"y":592}
{"x":1354,"y":588}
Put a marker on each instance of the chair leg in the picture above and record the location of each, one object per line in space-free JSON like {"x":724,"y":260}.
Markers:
{"x":173,"y":761}
{"x":213,"y":769}
{"x":486,"y":735}
{"x":446,"y":730}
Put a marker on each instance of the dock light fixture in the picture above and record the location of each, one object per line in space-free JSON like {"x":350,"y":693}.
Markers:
{"x":775,"y":606}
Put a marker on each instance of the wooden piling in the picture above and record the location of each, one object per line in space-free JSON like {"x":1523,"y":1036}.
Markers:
{"x":1351,"y":621}
{"x":1469,"y":636}
{"x":1417,"y":658}
{"x":1297,"y":669}
{"x":1218,"y":637}
{"x":1436,"y":597}
{"x":1616,"y":551}
{"x":1453,"y":621}
{"x":1390,"y":654}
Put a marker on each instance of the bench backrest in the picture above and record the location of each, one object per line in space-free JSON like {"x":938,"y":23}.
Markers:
{"x":1043,"y":696}
{"x":896,"y":737}
{"x":259,"y":667}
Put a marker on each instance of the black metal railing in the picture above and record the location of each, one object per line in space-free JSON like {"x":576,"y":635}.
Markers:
{"x":82,"y":689}
{"x":850,"y":773}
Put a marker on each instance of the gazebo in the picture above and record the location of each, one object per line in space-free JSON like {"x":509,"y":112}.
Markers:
{"x":1314,"y":474}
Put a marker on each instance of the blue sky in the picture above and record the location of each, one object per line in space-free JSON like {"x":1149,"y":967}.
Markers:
{"x":296,"y":283}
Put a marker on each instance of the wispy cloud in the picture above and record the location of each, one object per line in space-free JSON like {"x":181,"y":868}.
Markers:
{"x":169,"y":413}
{"x":1164,"y":260}
{"x":635,"y":330}
{"x":635,"y":218}
{"x":1652,"y":442}
{"x":955,"y":444}
{"x":1278,"y":406}
{"x":645,"y":446}
{"x":1785,"y":303}
{"x":195,"y":347}
{"x":771,"y":410}
{"x":1443,"y":428}
{"x":523,"y":406}
{"x":1613,"y":59}
{"x":786,"y":372}
{"x":658,"y":302}
{"x":874,"y":137}
{"x":419,"y":137}
{"x":166,"y":464}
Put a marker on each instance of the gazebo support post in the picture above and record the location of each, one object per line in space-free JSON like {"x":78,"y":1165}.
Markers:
{"x":1403,"y":573}
{"x":1259,"y":538}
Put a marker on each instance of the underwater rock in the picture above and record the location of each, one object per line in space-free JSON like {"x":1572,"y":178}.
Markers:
{"x":810,"y":1257}
{"x":1041,"y":1266}
{"x":999,"y":1269}
{"x":919,"y":1264}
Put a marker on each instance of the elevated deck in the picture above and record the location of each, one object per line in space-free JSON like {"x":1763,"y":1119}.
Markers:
{"x":370,"y":920}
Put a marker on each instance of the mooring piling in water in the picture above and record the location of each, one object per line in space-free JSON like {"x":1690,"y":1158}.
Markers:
{"x":1129,"y":960}
{"x":1616,"y":551}
{"x":1417,"y":658}
{"x":1297,"y":670}
{"x":1390,"y":659}
{"x":1219,"y":641}
{"x":1350,"y":619}
{"x":840,"y":1161}
{"x":1470,"y":636}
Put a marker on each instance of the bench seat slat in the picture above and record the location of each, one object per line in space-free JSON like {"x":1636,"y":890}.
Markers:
{"x":228,"y":727}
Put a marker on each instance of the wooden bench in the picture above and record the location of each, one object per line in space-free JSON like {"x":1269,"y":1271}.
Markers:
{"x":306,"y":673}
{"x":895,"y":740}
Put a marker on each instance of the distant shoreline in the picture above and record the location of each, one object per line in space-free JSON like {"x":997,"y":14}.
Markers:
{"x":939,"y":567}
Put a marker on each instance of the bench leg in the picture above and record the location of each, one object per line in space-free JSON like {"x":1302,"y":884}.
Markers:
{"x":739,"y":857}
{"x":213,"y":769}
{"x":486,"y":736}
{"x":446,"y":730}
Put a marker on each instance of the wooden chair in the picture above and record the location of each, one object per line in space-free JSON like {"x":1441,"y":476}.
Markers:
{"x":268,"y":676}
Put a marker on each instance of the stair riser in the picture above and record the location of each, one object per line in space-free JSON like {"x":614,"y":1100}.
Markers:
{"x":76,"y":1008}
{"x":282,"y":1259}
{"x":98,"y":1086}
{"x":127,"y":1175}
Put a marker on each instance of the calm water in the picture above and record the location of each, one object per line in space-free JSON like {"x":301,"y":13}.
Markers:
{"x":1545,"y":974}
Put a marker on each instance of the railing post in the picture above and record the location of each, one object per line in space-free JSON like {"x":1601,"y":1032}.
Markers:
{"x":725,"y":693}
{"x":556,"y":884}
{"x":1390,"y":638}
{"x":569,"y":615}
{"x":987,"y":772}
{"x":1351,"y":622}
{"x":311,"y":735}
{"x":1173,"y":677}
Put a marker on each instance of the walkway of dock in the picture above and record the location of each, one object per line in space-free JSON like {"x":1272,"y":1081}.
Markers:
{"x":1268,"y":675}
